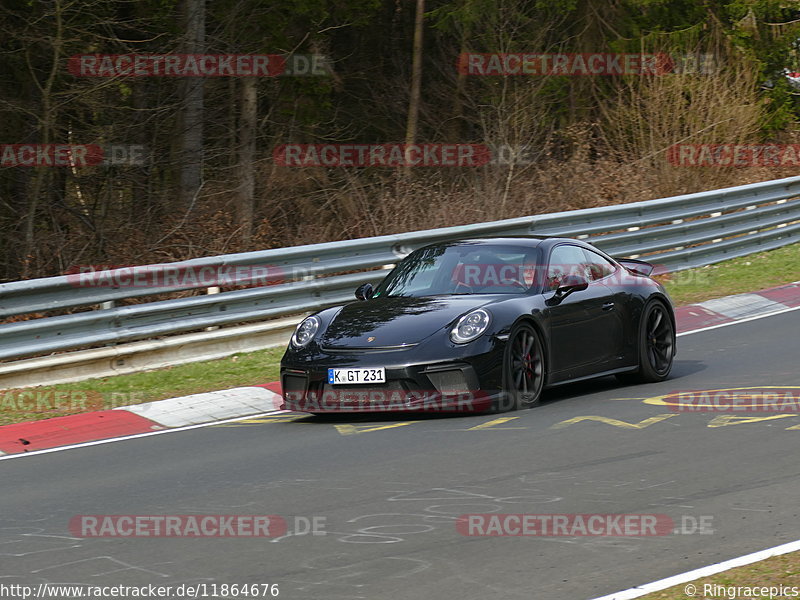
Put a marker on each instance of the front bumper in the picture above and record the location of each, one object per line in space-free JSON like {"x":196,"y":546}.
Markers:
{"x":440,"y":386}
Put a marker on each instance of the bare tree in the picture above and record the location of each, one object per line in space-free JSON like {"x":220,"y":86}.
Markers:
{"x":191,"y":155}
{"x":245,"y":197}
{"x":416,"y":76}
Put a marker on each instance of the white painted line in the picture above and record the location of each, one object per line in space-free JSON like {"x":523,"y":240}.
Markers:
{"x":138,"y":435}
{"x":772,"y":314}
{"x":663,"y":584}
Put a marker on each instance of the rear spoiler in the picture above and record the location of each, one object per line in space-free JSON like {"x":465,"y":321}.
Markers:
{"x":636,"y":266}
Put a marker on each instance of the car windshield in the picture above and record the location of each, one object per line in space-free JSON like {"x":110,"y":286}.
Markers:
{"x":463,"y":268}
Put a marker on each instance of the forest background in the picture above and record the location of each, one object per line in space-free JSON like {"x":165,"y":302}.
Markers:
{"x":208,"y":183}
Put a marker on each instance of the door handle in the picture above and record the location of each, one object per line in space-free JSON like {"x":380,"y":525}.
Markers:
{"x":608,"y":306}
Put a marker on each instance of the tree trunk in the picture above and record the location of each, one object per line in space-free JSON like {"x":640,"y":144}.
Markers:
{"x":454,"y":128}
{"x":191,"y":155}
{"x":46,"y":122}
{"x":245,"y":198}
{"x":416,"y":76}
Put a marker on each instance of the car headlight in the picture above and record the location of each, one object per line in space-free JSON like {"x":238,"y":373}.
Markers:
{"x":305,"y":332}
{"x":470,"y":326}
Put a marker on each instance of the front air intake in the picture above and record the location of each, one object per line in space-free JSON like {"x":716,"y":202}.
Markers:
{"x":449,"y":382}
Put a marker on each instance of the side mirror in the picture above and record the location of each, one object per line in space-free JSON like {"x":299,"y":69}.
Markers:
{"x":364,"y":291}
{"x":572,"y":283}
{"x":569,"y":284}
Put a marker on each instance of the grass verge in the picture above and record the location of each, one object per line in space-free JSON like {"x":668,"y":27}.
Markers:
{"x":750,"y":273}
{"x":736,"y":276}
{"x":773,"y":572}
{"x":251,"y":368}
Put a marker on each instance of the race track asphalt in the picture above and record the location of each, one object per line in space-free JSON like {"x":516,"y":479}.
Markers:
{"x":388,"y":490}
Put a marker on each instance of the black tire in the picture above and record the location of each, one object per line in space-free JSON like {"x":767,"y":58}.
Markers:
{"x":656,"y":346}
{"x":523,"y":370}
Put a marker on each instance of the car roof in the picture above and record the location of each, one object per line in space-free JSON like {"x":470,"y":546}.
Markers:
{"x":545,"y":242}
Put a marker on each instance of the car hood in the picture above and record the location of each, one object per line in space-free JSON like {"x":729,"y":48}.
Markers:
{"x":382,"y":322}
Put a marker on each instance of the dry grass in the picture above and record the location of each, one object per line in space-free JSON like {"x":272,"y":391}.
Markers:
{"x":771,"y":573}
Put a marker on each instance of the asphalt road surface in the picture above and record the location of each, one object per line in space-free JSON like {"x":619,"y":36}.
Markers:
{"x":388,"y":490}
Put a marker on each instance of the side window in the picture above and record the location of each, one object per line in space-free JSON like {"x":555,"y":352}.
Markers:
{"x":599,"y":267}
{"x":566,"y":260}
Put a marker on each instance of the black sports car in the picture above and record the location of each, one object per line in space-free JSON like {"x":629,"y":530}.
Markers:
{"x":482,"y":324}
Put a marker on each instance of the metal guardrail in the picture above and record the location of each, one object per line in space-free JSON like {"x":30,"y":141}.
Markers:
{"x":675,"y":233}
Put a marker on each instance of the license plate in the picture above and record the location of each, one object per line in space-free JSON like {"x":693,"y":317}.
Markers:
{"x":351,"y":376}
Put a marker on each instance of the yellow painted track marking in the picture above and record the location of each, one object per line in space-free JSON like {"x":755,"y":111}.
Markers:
{"x":725,"y":420}
{"x":673,"y":399}
{"x":615,"y":422}
{"x":262,"y":420}
{"x":356,"y":429}
{"x":493,"y":424}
